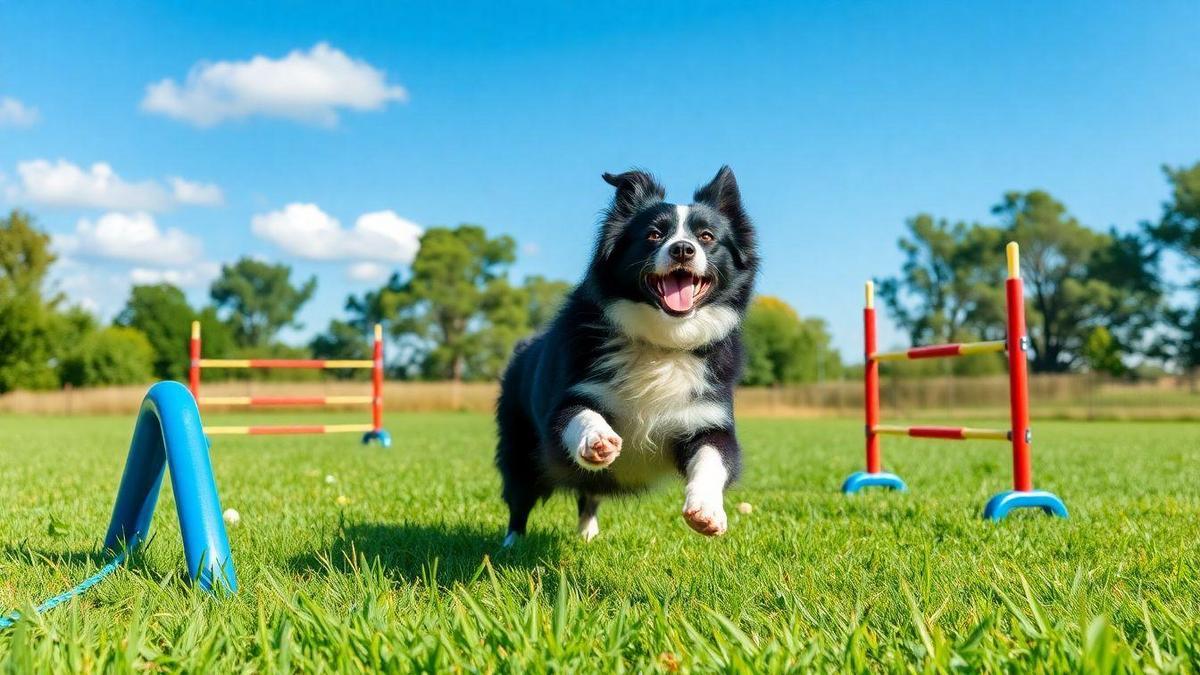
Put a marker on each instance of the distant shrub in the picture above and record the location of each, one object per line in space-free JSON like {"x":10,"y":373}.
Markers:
{"x":113,"y":355}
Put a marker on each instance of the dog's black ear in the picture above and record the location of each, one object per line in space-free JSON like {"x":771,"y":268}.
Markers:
{"x":635,"y":191}
{"x":722,"y":194}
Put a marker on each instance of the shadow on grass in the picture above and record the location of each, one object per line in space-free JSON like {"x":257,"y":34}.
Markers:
{"x":90,"y":562}
{"x":408,"y":552}
{"x":28,"y":555}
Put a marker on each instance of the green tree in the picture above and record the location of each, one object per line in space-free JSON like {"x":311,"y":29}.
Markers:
{"x":545,"y":297}
{"x":782,"y":348}
{"x":1101,"y":353}
{"x":342,"y":340}
{"x":950,"y":289}
{"x":28,"y":323}
{"x":162,"y":313}
{"x":373,"y":307}
{"x":217,"y":341}
{"x":457,"y":304}
{"x":1178,"y":229}
{"x":114,"y":355}
{"x":259,"y":299}
{"x":1076,"y":279}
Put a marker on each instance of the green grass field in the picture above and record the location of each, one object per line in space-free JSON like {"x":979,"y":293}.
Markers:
{"x":406,"y":573}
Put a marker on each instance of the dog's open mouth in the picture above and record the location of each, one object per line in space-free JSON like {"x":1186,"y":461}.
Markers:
{"x":679,"y":291}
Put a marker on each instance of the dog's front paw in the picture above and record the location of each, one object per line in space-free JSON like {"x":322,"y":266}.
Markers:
{"x":706,"y":517}
{"x":598,"y":449}
{"x":594,"y":444}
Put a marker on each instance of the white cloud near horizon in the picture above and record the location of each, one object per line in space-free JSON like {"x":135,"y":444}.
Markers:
{"x":304,"y":86}
{"x":193,"y":193}
{"x":132,"y":237}
{"x":305,"y":231}
{"x":14,"y":113}
{"x":368,"y":272}
{"x":64,"y":184}
{"x":186,"y":276}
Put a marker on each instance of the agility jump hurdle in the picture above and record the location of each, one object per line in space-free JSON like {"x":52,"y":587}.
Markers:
{"x":1019,"y":434}
{"x":371,"y":432}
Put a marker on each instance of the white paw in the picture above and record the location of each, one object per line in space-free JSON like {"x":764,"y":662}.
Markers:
{"x":705,"y":515}
{"x":592,"y":443}
{"x":589,"y":527}
{"x":510,"y":539}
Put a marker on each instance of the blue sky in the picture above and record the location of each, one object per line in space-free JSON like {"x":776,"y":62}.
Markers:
{"x":841,"y":120}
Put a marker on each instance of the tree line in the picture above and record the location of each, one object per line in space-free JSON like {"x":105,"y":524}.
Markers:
{"x":1100,"y":301}
{"x":454,"y":315}
{"x":1096,"y":300}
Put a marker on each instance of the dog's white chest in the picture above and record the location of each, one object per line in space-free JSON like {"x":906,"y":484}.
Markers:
{"x":654,"y":396}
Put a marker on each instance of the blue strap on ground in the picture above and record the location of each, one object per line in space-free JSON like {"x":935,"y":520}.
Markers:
{"x":12,"y":619}
{"x":168,"y":433}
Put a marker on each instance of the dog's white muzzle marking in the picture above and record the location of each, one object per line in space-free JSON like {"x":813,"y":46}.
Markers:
{"x":663,"y":262}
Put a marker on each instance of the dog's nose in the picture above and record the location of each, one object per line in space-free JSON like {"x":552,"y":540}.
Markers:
{"x":682,"y":250}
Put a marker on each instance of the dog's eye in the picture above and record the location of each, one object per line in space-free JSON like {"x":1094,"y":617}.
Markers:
{"x":654,"y":235}
{"x":707,"y":237}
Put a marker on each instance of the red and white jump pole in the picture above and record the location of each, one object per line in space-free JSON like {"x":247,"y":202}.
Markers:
{"x":1022,"y":495}
{"x":371,"y":432}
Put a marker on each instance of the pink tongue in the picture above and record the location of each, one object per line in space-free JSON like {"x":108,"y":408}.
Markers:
{"x":677,"y":292}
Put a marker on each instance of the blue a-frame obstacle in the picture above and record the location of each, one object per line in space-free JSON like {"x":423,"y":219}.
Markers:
{"x":169,"y":434}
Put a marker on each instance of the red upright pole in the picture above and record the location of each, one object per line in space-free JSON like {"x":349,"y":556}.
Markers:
{"x":377,"y":381}
{"x":1018,"y":393}
{"x":871,"y":384}
{"x":194,"y":361}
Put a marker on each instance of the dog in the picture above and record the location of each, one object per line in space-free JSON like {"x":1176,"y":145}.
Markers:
{"x":633,"y":380}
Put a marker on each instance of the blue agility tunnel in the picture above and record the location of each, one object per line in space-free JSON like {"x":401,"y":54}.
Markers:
{"x":168,"y":433}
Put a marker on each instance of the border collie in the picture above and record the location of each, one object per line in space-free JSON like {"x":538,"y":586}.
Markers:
{"x":633,"y":380}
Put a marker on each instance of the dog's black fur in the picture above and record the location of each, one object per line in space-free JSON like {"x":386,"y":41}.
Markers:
{"x":618,"y":322}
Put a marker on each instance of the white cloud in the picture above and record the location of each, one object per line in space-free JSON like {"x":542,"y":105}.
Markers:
{"x":303,"y":86}
{"x":13,"y":113}
{"x":130,"y":236}
{"x":99,"y":291}
{"x":304,"y":230}
{"x":64,"y":184}
{"x":531,"y":248}
{"x":368,"y":272}
{"x":187,"y":276}
{"x":195,"y":194}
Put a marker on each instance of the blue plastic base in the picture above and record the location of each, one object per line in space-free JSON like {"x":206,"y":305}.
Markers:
{"x":382,"y":436}
{"x":861,"y":479}
{"x":999,"y":506}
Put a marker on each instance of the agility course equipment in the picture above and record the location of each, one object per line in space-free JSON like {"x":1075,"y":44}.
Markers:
{"x":371,"y":432}
{"x":1019,"y":434}
{"x":168,"y":433}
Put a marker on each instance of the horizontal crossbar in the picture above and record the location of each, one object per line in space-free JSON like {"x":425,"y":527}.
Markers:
{"x":287,"y":363}
{"x":950,"y":433}
{"x":284,"y":400}
{"x":286,"y":429}
{"x":941,"y":351}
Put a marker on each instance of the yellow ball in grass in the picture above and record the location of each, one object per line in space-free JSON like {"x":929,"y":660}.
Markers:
{"x":745,"y":507}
